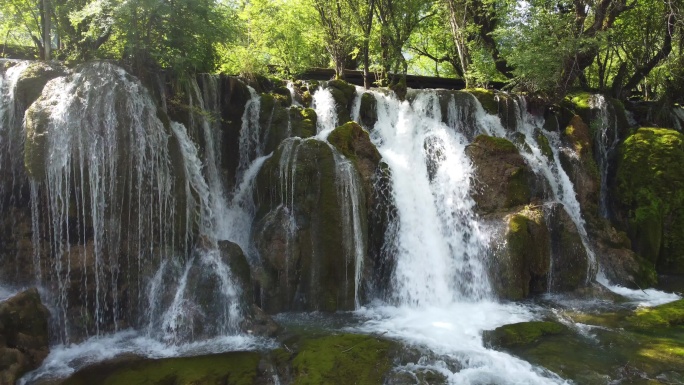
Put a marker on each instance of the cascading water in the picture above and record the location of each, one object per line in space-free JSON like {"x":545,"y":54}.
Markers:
{"x":607,"y":139}
{"x":439,"y":243}
{"x":441,"y":293}
{"x":552,"y":171}
{"x":324,"y":104}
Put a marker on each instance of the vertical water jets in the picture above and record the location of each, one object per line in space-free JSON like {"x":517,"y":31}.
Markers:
{"x":97,"y":139}
{"x":350,"y":197}
{"x":607,"y":139}
{"x":251,"y":146}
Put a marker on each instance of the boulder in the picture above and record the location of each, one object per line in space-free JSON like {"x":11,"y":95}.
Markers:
{"x":501,"y":175}
{"x":650,"y":192}
{"x":343,"y":93}
{"x":569,"y":259}
{"x":521,"y":264}
{"x":24,"y":340}
{"x":368,"y":113}
{"x":298,"y":231}
{"x":32,"y":80}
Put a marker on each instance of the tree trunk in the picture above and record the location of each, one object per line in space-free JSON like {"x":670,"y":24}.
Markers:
{"x":47,"y":43}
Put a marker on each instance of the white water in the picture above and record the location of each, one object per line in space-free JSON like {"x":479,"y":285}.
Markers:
{"x":438,"y":242}
{"x":563,"y":191}
{"x":454,"y":333}
{"x":64,"y":360}
{"x":324,"y":104}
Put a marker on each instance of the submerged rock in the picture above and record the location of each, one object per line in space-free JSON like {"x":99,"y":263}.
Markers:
{"x":23,"y":335}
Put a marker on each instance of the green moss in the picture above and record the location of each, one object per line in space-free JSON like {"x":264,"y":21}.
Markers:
{"x":343,"y":137}
{"x":487,"y":98}
{"x":651,"y":189}
{"x":492,"y":143}
{"x":518,"y":189}
{"x":235,"y":368}
{"x":668,"y":315}
{"x":342,"y":359}
{"x":308,"y":122}
{"x":522,"y":333}
{"x":544,"y":145}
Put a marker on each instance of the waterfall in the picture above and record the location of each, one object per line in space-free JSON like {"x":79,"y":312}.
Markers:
{"x":438,"y":242}
{"x":350,"y":197}
{"x":324,"y":104}
{"x":607,"y":139}
{"x":11,"y":132}
{"x":562,"y":189}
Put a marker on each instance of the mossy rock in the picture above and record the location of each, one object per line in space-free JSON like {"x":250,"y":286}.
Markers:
{"x":368,"y":113}
{"x":522,"y":266}
{"x":544,"y":146}
{"x":570,"y":265}
{"x":33,"y":79}
{"x":343,"y":94}
{"x":399,"y":87}
{"x":487,"y":99}
{"x":501,"y":175}
{"x":342,"y":359}
{"x":522,"y":333}
{"x":650,"y":189}
{"x":668,"y":315}
{"x":36,"y":122}
{"x":283,"y":96}
{"x":234,"y":368}
{"x":303,"y":122}
{"x":298,"y":231}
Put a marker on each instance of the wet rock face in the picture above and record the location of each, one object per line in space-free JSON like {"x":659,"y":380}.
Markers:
{"x":23,"y":335}
{"x":569,"y":259}
{"x":298,"y":231}
{"x":343,"y":93}
{"x":501,"y":174}
{"x":521,"y":264}
{"x":578,"y":162}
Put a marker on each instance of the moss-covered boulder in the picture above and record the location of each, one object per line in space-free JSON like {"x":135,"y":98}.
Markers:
{"x":343,"y":93}
{"x":569,"y":258}
{"x":578,"y":162}
{"x":342,"y":359}
{"x":368,"y":113}
{"x":32,"y":80}
{"x":650,"y":190}
{"x":234,"y":368}
{"x":501,"y":174}
{"x":521,"y":263}
{"x":522,"y":333}
{"x":23,"y":335}
{"x":619,"y":263}
{"x":500,"y":104}
{"x":353,"y":142}
{"x":298,"y":231}
{"x":667,"y":315}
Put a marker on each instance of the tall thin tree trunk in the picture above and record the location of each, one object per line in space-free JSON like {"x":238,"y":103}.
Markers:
{"x":47,"y":44}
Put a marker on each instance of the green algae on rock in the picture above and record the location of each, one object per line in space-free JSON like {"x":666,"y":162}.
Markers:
{"x":650,"y":189}
{"x":234,"y":368}
{"x":342,"y":359}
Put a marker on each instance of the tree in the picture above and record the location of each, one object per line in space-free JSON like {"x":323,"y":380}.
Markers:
{"x":335,"y":18}
{"x":362,"y":12}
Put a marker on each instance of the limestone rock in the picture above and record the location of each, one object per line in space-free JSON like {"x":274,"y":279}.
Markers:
{"x":23,"y":335}
{"x":501,"y":174}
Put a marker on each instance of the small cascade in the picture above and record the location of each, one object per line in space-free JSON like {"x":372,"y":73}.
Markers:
{"x":251,"y":145}
{"x":438,"y":241}
{"x":11,"y":131}
{"x":350,"y":197}
{"x":324,"y":104}
{"x":126,"y":209}
{"x":607,"y":139}
{"x":549,"y":167}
